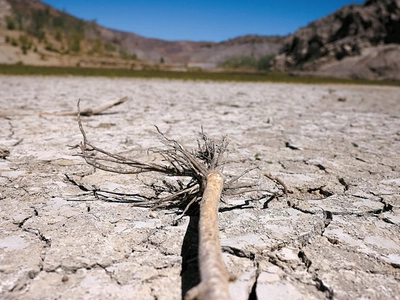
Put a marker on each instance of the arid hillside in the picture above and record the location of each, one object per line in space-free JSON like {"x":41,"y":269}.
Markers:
{"x":357,"y":41}
{"x":36,"y":33}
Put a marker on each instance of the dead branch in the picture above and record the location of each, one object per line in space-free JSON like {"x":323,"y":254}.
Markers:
{"x":102,"y":108}
{"x":213,"y":273}
{"x":279,"y":181}
{"x":206,"y":185}
{"x":90,"y":111}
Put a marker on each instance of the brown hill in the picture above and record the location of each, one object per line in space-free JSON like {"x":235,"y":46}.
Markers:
{"x":35,"y":33}
{"x":358,"y":41}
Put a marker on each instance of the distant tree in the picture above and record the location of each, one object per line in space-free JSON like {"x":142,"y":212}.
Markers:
{"x":109,"y":47}
{"x":10,"y":23}
{"x":162,"y":60}
{"x":25,"y":43}
{"x":20,"y":20}
{"x":74,"y":43}
{"x":97,"y":47}
{"x":58,"y":35}
{"x":39,"y":20}
{"x":59,"y":21}
{"x":14,"y":42}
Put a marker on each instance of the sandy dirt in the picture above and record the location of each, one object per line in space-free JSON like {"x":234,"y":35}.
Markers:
{"x":335,"y":236}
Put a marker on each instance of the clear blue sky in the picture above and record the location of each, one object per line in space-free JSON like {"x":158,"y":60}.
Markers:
{"x":201,"y":20}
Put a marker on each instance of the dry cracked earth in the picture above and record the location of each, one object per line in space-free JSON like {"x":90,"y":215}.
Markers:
{"x":336,"y":235}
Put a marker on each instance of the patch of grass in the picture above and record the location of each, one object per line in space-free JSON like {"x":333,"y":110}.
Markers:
{"x":17,"y":69}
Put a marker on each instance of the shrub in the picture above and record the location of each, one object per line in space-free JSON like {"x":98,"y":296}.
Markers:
{"x":58,"y":35}
{"x":265,"y":62}
{"x":127,"y":56}
{"x":242,"y":62}
{"x":25,"y":43}
{"x":14,"y":42}
{"x":109,"y":47}
{"x":50,"y":47}
{"x":10,"y":23}
{"x":74,"y":43}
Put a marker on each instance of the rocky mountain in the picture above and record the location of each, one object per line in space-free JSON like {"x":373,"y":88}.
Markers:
{"x":357,"y":41}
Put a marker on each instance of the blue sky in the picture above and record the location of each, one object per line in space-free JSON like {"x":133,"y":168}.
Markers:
{"x":204,"y":20}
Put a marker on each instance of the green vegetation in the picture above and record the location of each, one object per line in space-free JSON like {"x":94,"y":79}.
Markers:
{"x":61,"y":33}
{"x":12,"y":41}
{"x":264,"y":63}
{"x":10,"y":23}
{"x":19,"y":69}
{"x":42,"y":24}
{"x":25,"y":43}
{"x":74,"y":43}
{"x":39,"y":20}
{"x":243,"y":62}
{"x":49,"y":47}
{"x":97,"y":47}
{"x":127,"y":56}
{"x":249,"y":63}
{"x":109,"y":47}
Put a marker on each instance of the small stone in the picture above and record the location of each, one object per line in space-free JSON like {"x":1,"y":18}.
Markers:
{"x":65,"y":278}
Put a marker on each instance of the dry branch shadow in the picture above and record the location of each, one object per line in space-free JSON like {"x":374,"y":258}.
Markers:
{"x":190,"y":276}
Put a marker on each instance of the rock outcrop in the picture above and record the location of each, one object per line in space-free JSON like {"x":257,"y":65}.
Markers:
{"x":353,"y":31}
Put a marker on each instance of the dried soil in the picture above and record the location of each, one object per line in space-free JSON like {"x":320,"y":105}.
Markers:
{"x":335,"y":236}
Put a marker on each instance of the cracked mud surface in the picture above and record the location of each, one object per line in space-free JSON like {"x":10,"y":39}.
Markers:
{"x":335,"y":236}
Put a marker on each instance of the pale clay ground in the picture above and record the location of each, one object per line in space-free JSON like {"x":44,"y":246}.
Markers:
{"x":336,"y":236}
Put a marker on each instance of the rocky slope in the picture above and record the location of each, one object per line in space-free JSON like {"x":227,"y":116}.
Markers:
{"x":359,"y":41}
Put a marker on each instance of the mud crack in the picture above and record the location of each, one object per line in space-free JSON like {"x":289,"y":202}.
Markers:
{"x":319,"y":284}
{"x":238,"y":252}
{"x":344,"y":183}
{"x":253,"y":292}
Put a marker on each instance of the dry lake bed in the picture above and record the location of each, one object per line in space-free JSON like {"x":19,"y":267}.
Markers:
{"x":335,"y":235}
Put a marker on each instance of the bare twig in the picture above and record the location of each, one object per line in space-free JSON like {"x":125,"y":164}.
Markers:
{"x":98,"y":110}
{"x":103,"y":107}
{"x":277,"y":180}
